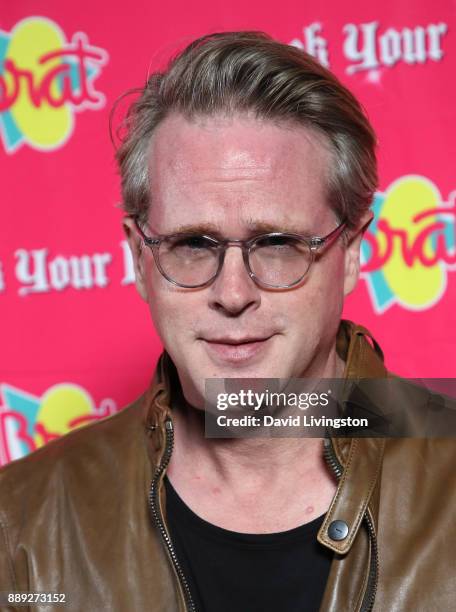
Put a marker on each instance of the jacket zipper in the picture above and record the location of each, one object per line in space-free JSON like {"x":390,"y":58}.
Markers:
{"x":159,"y":520}
{"x":372,"y":581}
{"x":336,"y":467}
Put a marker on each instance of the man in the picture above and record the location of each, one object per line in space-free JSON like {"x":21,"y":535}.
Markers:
{"x":247,"y":175}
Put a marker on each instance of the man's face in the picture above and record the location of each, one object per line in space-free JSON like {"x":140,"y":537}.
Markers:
{"x":238,"y":177}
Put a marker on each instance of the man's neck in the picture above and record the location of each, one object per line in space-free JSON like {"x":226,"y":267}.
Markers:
{"x":259,"y":485}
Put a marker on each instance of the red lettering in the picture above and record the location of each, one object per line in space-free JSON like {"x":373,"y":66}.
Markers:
{"x":103,"y":412}
{"x":376,"y":259}
{"x":40,"y":90}
{"x":432,"y":236}
{"x":45,"y":434}
{"x":82,"y":54}
{"x":7,"y":99}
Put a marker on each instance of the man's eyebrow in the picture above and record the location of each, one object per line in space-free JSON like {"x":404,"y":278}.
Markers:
{"x":253,"y":227}
{"x":264,"y":227}
{"x":199,"y":228}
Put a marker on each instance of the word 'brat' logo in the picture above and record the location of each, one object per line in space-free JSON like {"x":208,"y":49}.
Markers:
{"x":410,"y":247}
{"x":44,"y":81}
{"x":27,"y":422}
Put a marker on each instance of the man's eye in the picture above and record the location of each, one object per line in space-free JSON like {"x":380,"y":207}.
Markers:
{"x":186,"y":248}
{"x":280,"y":246}
{"x":193,"y":243}
{"x":278,"y":242}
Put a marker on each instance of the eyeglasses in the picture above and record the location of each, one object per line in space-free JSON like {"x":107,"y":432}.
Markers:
{"x":276,"y":260}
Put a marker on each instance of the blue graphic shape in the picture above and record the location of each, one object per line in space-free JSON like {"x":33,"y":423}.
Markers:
{"x":381,"y":294}
{"x":11,"y":135}
{"x":4,"y":41}
{"x":24,"y":403}
{"x":449,"y":232}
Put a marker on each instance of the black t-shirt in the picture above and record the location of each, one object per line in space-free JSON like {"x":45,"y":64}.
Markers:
{"x":238,"y":572}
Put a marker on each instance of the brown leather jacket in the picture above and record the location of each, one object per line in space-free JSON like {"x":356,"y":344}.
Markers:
{"x":81,"y":517}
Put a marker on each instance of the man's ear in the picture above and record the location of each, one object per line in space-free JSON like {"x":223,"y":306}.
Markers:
{"x":353,"y":252}
{"x":136,"y":247}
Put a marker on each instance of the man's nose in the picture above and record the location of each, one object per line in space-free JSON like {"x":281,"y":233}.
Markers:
{"x":233,"y":291}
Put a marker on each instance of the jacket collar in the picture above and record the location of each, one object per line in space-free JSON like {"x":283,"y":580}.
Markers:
{"x":361,"y":458}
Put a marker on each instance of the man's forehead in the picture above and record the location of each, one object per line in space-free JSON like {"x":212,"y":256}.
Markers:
{"x":236,"y":147}
{"x":244,"y":175}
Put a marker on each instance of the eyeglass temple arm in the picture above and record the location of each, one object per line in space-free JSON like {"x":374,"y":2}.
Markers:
{"x":147,"y":239}
{"x":318,"y":243}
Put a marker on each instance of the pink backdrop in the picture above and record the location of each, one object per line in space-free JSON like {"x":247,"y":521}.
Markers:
{"x":77,"y":342}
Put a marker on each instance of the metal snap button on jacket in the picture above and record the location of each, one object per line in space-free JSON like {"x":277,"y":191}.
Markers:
{"x":338,"y":530}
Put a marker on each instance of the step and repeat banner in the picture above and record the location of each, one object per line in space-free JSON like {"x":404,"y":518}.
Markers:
{"x":77,"y":342}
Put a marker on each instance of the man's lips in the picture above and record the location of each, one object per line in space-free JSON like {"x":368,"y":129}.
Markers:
{"x":236,"y":341}
{"x":235,"y":350}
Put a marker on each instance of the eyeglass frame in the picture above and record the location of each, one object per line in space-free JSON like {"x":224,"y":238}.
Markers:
{"x":317,"y":245}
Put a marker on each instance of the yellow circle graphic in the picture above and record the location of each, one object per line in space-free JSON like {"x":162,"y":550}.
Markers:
{"x":43,"y":125}
{"x":61,"y":406}
{"x":415,"y":284}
